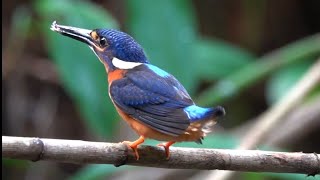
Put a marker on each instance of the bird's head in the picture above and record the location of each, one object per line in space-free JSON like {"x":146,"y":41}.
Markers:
{"x":115,"y":49}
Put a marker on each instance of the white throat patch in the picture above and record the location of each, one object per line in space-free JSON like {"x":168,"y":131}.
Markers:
{"x":124,"y":64}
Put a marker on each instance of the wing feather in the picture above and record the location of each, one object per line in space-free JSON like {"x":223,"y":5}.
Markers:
{"x":153,"y":100}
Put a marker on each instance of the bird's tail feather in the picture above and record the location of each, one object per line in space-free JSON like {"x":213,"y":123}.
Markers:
{"x":214,"y":113}
{"x":204,"y":118}
{"x":196,"y":113}
{"x":211,"y":118}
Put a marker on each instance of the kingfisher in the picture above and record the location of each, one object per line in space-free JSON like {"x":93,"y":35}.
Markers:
{"x":152,"y":101}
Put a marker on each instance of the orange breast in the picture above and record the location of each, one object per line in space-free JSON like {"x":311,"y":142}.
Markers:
{"x":143,"y":130}
{"x":116,"y":74}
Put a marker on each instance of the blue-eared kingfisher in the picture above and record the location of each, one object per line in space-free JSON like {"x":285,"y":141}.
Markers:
{"x":152,"y":101}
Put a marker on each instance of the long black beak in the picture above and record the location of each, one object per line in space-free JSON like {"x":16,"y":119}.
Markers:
{"x":79,"y":34}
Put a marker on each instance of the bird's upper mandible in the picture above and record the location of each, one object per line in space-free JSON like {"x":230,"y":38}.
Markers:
{"x":108,"y":45}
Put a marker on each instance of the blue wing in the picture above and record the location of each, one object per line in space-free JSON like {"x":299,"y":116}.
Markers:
{"x":153,"y":97}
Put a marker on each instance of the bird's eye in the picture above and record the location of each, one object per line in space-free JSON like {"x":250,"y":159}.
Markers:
{"x":103,"y":42}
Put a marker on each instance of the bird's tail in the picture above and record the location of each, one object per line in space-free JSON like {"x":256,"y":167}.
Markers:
{"x":204,"y":118}
{"x":211,"y":118}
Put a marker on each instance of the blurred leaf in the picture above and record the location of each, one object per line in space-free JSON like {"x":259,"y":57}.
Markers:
{"x":16,"y":163}
{"x":81,"y":72}
{"x":166,"y":29}
{"x":233,"y":84}
{"x":216,"y":59}
{"x":96,"y":171}
{"x":289,"y":176}
{"x":217,"y":141}
{"x":281,"y":81}
{"x":280,"y":176}
{"x":314,"y":94}
{"x":253,"y":176}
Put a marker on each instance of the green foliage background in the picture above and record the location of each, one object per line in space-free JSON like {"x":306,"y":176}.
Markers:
{"x":172,"y":42}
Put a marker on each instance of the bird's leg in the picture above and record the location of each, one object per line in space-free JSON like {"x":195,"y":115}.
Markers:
{"x":134,"y":145}
{"x":166,"y":147}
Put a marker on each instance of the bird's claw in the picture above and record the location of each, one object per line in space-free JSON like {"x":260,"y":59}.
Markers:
{"x":166,"y":148}
{"x":134,"y":148}
{"x":134,"y":145}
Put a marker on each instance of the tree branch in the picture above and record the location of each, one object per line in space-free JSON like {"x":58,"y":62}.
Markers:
{"x":79,"y":152}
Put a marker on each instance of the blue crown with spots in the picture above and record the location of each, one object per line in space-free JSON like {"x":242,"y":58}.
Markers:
{"x":123,"y":46}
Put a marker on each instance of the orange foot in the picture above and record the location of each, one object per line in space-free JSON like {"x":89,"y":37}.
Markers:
{"x":166,"y":147}
{"x":134,"y":145}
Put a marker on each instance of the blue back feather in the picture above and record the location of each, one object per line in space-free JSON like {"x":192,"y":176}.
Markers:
{"x":197,"y":113}
{"x":158,"y":71}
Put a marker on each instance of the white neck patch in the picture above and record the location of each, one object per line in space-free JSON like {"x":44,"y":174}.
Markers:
{"x":124,"y":64}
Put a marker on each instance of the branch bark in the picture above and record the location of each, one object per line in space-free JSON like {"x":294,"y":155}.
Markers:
{"x":82,"y":152}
